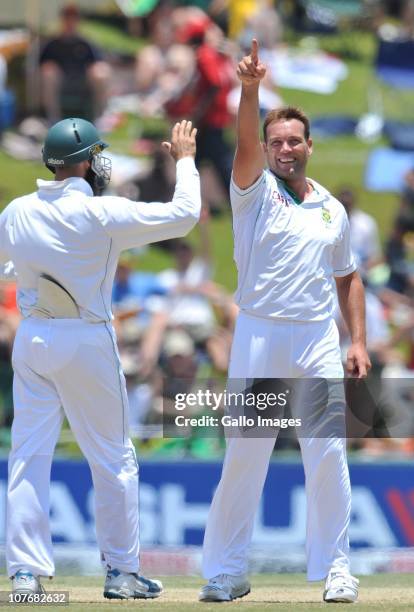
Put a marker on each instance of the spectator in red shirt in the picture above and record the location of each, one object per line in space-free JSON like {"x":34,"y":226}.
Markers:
{"x":205,"y":96}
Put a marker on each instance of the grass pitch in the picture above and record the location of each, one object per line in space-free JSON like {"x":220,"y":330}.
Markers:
{"x":269,"y":592}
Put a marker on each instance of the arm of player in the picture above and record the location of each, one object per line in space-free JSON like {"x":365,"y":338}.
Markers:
{"x":351,"y":297}
{"x":249,"y":159}
{"x":132,"y":224}
{"x":5,"y":270}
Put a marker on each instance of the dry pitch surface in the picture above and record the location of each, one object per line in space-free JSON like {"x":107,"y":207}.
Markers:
{"x":387,"y":592}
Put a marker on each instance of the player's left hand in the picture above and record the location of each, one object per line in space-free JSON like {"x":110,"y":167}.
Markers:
{"x":358,"y":363}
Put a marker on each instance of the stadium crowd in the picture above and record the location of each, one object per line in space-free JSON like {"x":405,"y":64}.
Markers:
{"x":175,"y":327}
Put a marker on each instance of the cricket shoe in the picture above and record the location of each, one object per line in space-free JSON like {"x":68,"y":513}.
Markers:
{"x":24,"y":582}
{"x":340,"y":587}
{"x":121,"y":585}
{"x":225,"y":588}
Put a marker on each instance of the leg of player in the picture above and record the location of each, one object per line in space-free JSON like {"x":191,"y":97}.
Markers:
{"x":37,"y":422}
{"x":97,"y":411}
{"x":231,"y":517}
{"x":323,"y":448}
{"x":328,"y":495}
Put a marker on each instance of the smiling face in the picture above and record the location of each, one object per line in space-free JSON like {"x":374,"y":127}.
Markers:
{"x":286,"y":149}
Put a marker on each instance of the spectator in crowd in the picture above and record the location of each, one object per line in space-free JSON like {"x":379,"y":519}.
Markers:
{"x":165,"y":77}
{"x":165,"y":66}
{"x":143,"y":378}
{"x":205,"y":98}
{"x":407,"y":20}
{"x":6,"y":98}
{"x":140,"y":318}
{"x":186,"y":303}
{"x":377,"y":329}
{"x":402,"y":368}
{"x":394,"y":19}
{"x":401,"y":278}
{"x":150,"y":60}
{"x":364,"y":231}
{"x":133,"y":290}
{"x":239,"y":13}
{"x":406,"y":212}
{"x":74,"y":76}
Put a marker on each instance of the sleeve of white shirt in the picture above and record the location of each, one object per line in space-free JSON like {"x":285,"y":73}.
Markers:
{"x":4,"y":256}
{"x":132,"y":224}
{"x":242,"y":200}
{"x":343,"y":258}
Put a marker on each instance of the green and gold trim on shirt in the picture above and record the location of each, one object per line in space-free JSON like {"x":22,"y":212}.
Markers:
{"x":296,"y":200}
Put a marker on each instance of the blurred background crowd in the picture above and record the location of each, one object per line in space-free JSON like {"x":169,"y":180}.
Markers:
{"x":135,"y":67}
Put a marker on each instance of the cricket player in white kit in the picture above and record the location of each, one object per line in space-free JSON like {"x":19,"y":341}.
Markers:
{"x":291,"y":245}
{"x":64,"y":244}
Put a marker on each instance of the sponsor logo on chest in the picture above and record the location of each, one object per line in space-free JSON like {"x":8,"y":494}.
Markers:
{"x":278,"y":198}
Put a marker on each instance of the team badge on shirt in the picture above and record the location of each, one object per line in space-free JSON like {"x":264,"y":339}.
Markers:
{"x":326,"y":215}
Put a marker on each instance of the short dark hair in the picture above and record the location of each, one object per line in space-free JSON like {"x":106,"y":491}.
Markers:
{"x":70,"y":10}
{"x":284,"y":114}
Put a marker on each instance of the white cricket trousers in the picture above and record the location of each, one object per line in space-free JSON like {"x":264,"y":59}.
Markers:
{"x":263,"y":348}
{"x":68,"y":367}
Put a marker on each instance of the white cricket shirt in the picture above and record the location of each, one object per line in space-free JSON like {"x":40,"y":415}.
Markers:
{"x":64,"y":231}
{"x":287,"y":254}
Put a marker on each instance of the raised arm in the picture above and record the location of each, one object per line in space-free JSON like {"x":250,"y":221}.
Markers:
{"x":131,"y":224}
{"x":249,"y":159}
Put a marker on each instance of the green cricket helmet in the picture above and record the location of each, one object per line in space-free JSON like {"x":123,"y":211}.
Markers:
{"x":75,"y":140}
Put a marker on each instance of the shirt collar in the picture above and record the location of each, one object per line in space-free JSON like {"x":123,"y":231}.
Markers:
{"x":73,"y":183}
{"x":318,"y":196}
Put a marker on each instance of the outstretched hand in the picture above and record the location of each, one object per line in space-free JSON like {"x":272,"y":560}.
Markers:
{"x":250,"y":69}
{"x":183,"y":141}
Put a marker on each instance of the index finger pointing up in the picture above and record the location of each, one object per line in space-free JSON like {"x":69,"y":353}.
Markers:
{"x":254,"y":51}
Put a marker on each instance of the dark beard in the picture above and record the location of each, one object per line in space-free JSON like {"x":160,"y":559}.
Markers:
{"x":97,"y":185}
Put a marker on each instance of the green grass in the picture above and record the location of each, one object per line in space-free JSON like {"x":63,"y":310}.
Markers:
{"x":18,"y":177}
{"x":335,"y":162}
{"x":385,"y":592}
{"x":110,"y":38}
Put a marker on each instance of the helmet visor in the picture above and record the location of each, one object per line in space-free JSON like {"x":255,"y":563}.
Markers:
{"x":102,"y":167}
